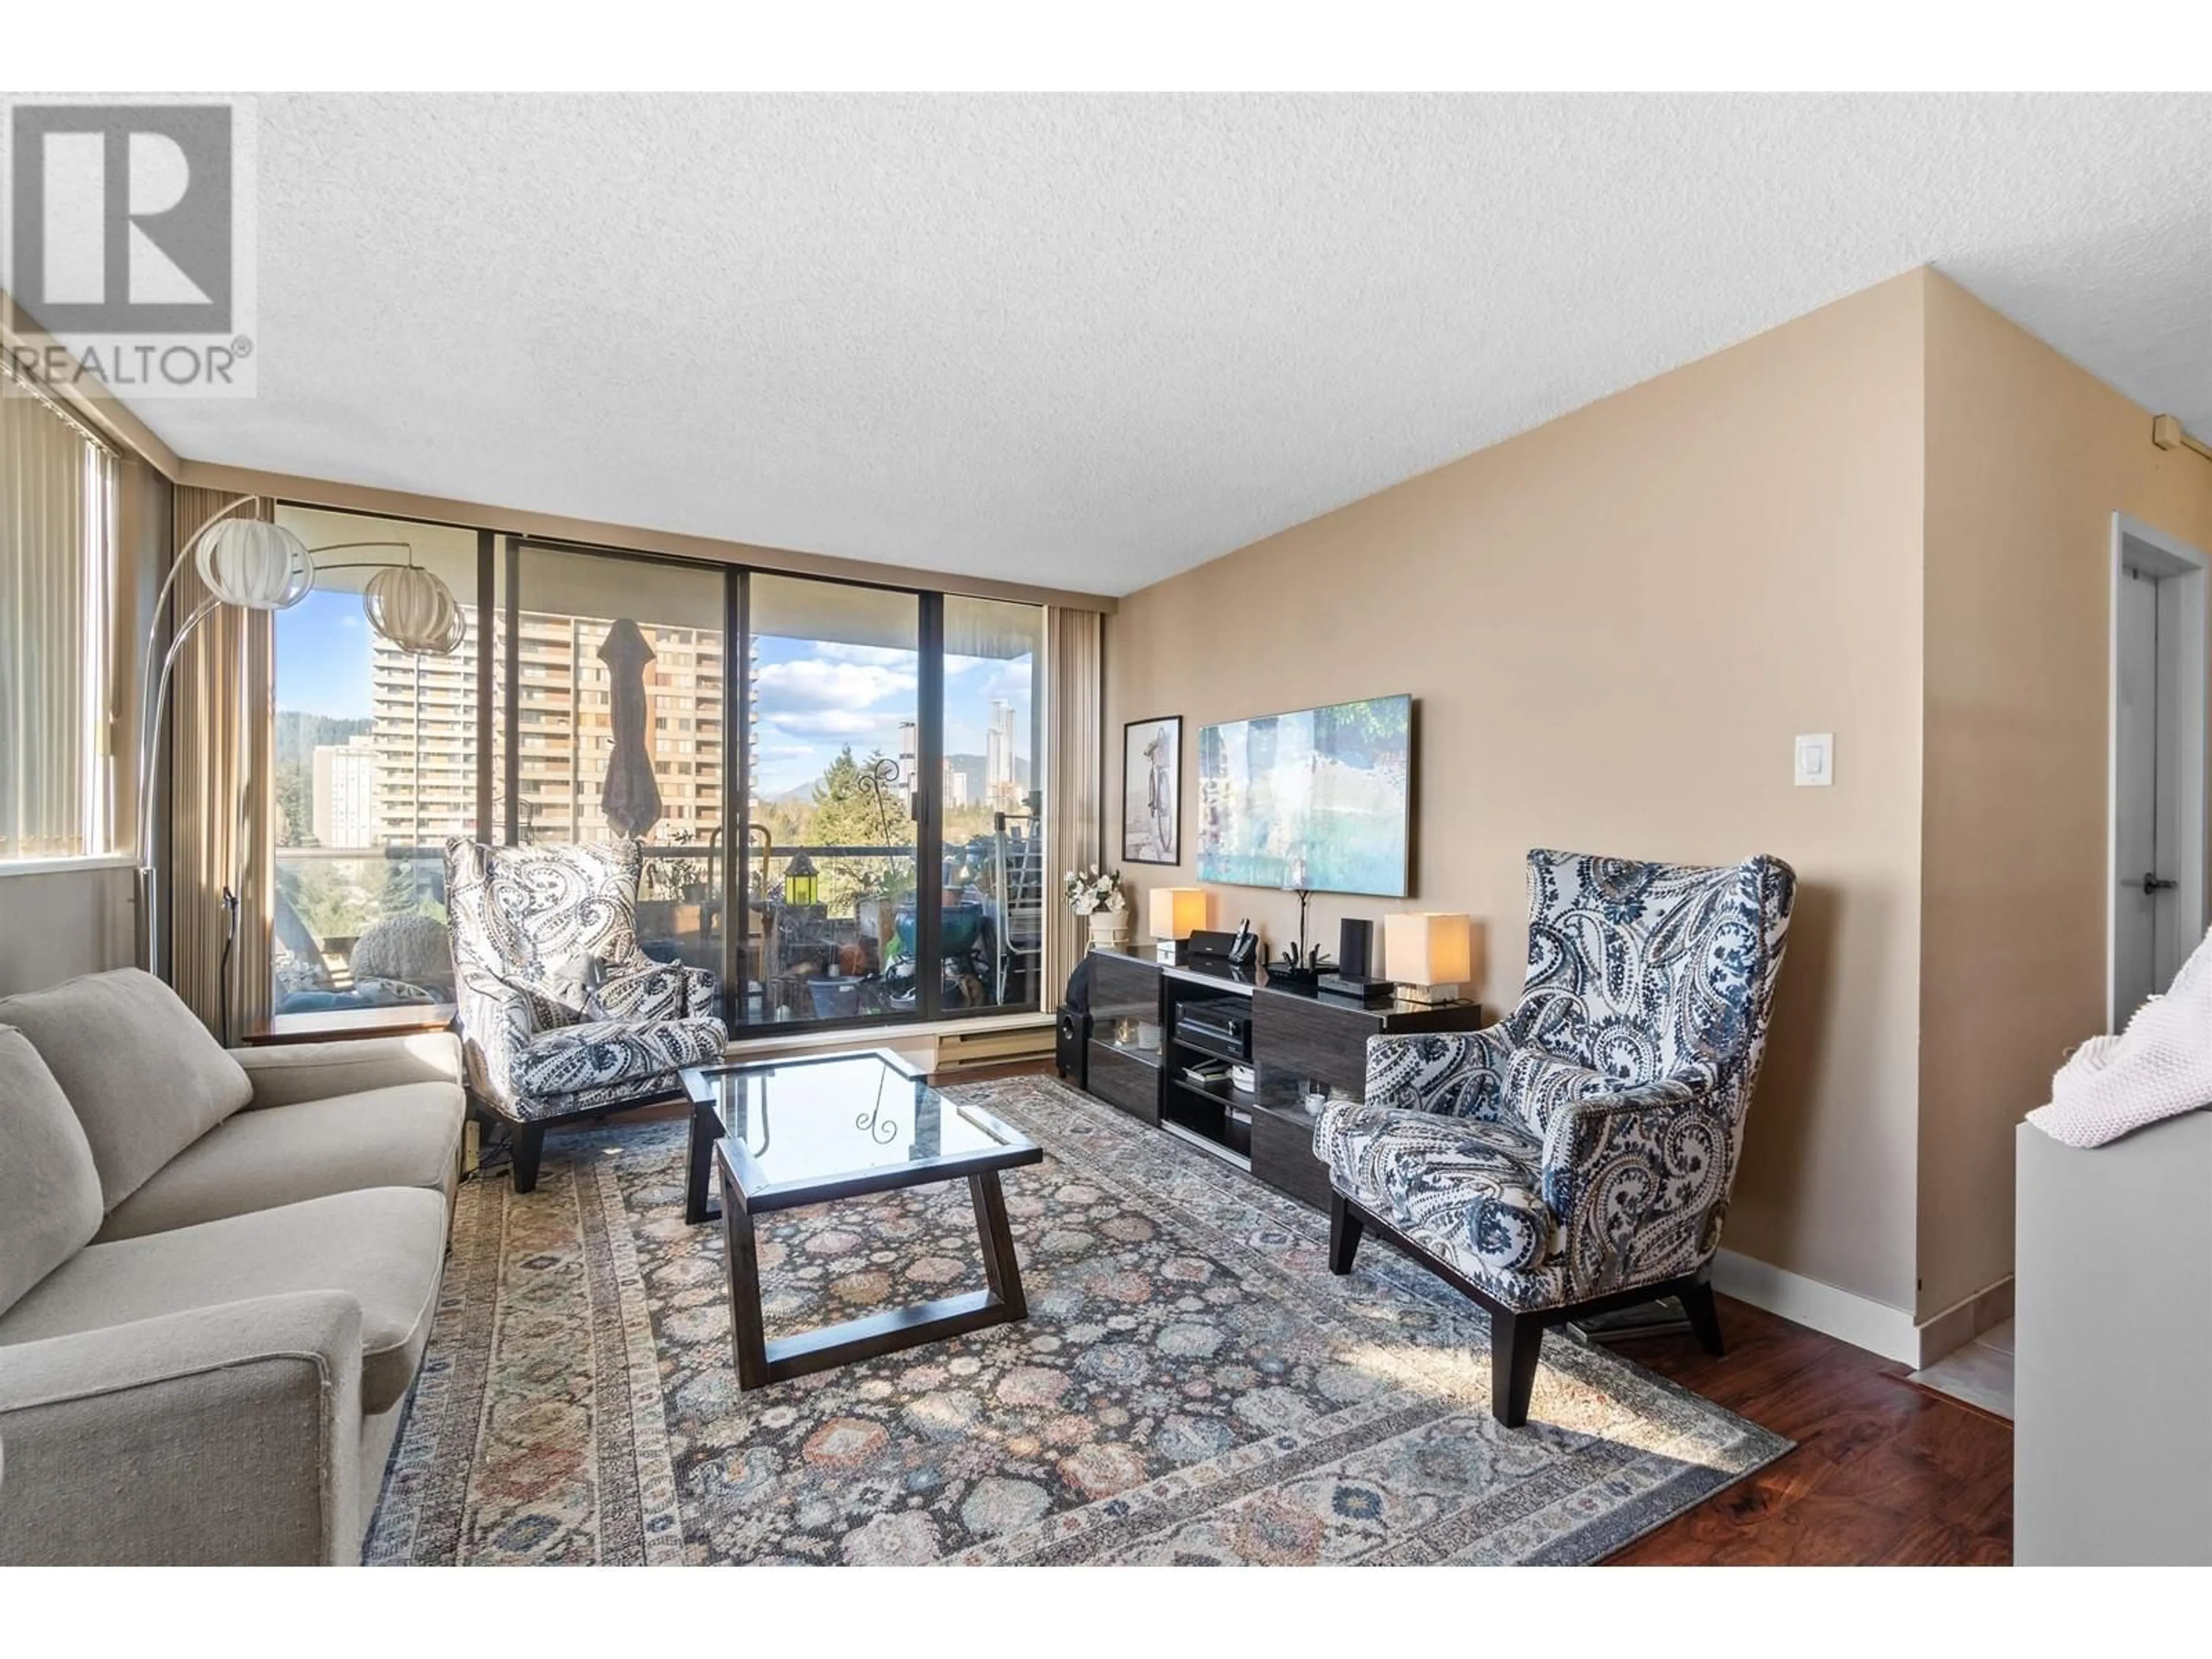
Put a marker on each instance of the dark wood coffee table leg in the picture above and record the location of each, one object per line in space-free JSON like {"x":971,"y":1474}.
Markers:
{"x":761,"y":1362}
{"x":748,"y":1331}
{"x":698,"y":1176}
{"x":1000,"y":1271}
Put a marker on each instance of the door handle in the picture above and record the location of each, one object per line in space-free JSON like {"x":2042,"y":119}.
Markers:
{"x":2151,"y":884}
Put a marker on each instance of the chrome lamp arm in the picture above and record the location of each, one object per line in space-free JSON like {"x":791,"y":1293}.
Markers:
{"x":264,"y":567}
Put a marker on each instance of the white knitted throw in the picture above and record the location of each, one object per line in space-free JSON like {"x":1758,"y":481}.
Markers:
{"x":2159,"y":1066}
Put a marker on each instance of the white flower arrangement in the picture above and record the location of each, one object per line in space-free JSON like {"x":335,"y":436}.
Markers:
{"x":1089,"y":892}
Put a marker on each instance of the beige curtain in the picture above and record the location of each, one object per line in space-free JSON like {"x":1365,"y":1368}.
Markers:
{"x":221,"y":795}
{"x":1075,"y":686}
{"x":56,"y":588}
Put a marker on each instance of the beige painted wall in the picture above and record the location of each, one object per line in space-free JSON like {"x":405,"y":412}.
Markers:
{"x":2028,"y":457}
{"x":1613,"y":625}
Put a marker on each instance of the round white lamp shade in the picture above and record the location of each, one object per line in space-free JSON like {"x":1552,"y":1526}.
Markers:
{"x":415,"y":611}
{"x":261,"y":567}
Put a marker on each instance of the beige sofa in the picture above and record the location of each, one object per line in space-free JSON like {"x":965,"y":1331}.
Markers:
{"x":217,"y":1276}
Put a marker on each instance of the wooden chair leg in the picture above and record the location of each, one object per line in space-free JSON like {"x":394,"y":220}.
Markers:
{"x":1345,"y":1227}
{"x":529,"y":1143}
{"x":1516,"y":1341}
{"x":1704,"y":1315}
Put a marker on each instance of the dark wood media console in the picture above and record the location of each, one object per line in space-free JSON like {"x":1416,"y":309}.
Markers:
{"x":1298,"y":1042}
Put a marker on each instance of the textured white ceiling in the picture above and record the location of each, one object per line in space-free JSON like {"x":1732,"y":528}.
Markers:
{"x":1091,"y":341}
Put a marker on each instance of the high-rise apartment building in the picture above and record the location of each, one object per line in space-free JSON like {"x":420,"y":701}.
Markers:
{"x":908,"y":750}
{"x":424,"y":737}
{"x":565,"y":728}
{"x":341,"y":787}
{"x":1001,"y":782}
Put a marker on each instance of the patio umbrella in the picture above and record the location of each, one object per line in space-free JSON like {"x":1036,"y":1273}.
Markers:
{"x":631,"y":799}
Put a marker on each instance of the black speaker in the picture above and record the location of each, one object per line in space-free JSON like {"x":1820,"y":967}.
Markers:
{"x":1354,"y":941}
{"x":1070,"y":1047}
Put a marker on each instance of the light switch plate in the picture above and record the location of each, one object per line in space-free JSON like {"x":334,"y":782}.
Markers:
{"x":1816,"y":760}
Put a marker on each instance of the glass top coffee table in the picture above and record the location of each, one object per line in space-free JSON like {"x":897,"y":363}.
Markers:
{"x":789,"y":1133}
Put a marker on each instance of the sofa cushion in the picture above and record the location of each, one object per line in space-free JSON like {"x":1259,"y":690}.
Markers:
{"x":144,"y":1077}
{"x":406,"y":1136}
{"x":49,"y":1187}
{"x":287,"y":1074}
{"x":384,"y":1247}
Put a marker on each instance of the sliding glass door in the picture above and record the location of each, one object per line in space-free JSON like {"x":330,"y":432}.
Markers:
{"x":832,"y":714}
{"x":895,"y":850}
{"x":991,"y":845}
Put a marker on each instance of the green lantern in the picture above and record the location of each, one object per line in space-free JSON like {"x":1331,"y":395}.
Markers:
{"x":800,"y":883}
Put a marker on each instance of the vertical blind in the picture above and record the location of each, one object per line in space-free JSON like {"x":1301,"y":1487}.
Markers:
{"x":57,"y":585}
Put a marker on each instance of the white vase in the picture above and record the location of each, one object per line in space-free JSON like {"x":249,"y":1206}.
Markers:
{"x":1109,"y":929}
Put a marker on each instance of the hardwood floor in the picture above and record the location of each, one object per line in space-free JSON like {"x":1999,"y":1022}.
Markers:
{"x":1885,"y":1474}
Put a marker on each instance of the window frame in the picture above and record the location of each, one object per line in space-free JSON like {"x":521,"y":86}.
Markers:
{"x":497,"y":714}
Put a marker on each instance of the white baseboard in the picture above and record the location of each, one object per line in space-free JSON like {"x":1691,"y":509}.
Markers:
{"x":1860,"y":1321}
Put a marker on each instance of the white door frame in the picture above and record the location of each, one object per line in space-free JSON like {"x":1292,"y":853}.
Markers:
{"x":2185,"y":577}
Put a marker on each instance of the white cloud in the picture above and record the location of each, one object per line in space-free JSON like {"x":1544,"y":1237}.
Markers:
{"x":964,"y":664}
{"x":872,"y":656}
{"x":1012,"y":680}
{"x":811,"y":682}
{"x":833,"y":723}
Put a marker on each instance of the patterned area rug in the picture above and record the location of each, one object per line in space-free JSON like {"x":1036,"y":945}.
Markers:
{"x":1192,"y":1384}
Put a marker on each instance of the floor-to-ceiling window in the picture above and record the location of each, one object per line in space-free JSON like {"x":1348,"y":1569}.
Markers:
{"x":375,"y":761}
{"x":610,"y":699}
{"x":833,"y":708}
{"x":993,"y":821}
{"x":869,"y":787}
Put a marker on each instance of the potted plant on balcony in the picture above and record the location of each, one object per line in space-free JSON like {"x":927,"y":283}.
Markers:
{"x":1098,"y":896}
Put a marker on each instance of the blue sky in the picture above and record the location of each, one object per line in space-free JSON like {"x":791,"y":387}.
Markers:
{"x":322,"y":656}
{"x":814,"y":697}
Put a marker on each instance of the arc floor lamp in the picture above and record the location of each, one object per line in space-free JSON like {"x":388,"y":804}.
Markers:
{"x":256,"y":564}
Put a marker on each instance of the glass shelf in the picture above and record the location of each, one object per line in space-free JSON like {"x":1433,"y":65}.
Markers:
{"x":1130,"y":1051}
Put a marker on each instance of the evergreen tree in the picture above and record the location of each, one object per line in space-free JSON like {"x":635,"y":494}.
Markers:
{"x":849,"y":811}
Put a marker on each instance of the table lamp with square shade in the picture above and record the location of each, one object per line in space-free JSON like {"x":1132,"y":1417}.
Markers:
{"x":1177,"y":913}
{"x":1430,"y":954}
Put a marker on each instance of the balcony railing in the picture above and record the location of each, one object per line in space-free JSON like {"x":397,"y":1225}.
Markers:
{"x":349,"y":922}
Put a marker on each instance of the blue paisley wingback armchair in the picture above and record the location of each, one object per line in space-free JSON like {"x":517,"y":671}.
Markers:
{"x":1577,"y":1156}
{"x":562,"y":1014}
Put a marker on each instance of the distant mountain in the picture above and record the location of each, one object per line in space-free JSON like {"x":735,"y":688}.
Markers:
{"x":972,"y":767}
{"x":298,"y":735}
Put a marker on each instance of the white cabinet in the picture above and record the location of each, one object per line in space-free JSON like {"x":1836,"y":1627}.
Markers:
{"x":2113,"y":1351}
